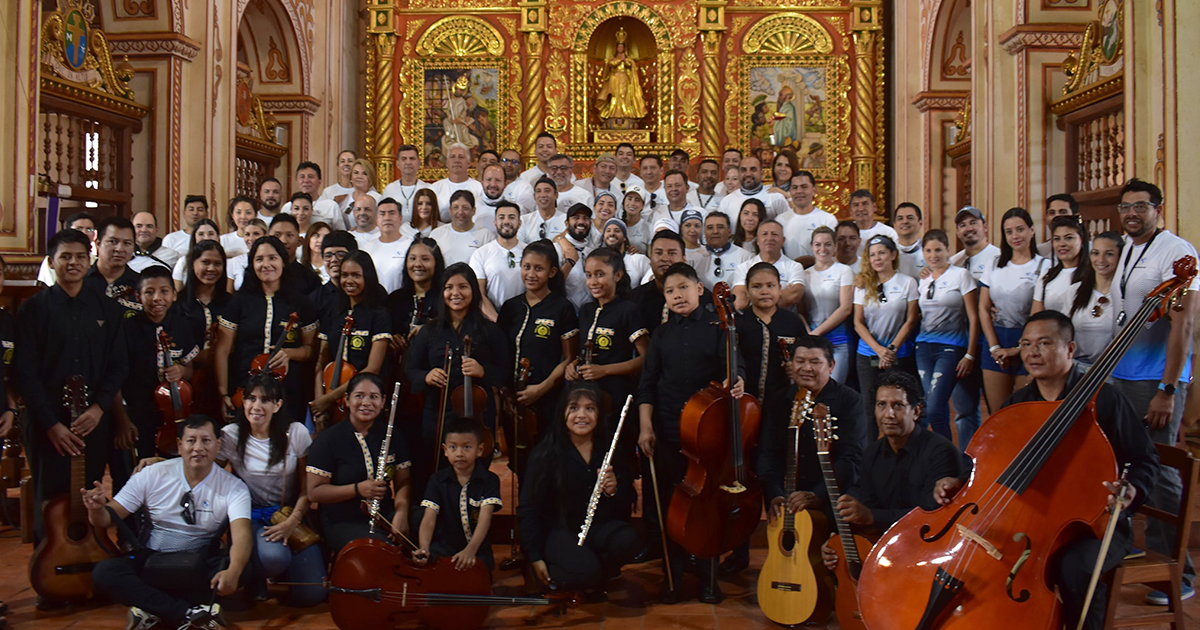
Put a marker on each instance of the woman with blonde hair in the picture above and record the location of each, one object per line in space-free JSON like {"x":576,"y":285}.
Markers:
{"x":885,"y":314}
{"x":362,"y":178}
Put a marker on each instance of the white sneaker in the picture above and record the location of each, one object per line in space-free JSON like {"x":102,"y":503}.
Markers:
{"x":204,"y":617}
{"x":139,"y":619}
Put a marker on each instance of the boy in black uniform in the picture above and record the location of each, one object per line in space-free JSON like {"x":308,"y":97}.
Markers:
{"x":136,"y":423}
{"x":686,"y":354}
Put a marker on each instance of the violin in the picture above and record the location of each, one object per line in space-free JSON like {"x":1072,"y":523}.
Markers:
{"x":259,"y":363}
{"x":982,"y":560}
{"x":174,"y":401}
{"x":338,"y":372}
{"x":470,"y":401}
{"x":719,"y":503}
{"x":204,"y":390}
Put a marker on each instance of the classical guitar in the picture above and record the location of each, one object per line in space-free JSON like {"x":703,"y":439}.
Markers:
{"x":61,"y":566}
{"x":793,"y":583}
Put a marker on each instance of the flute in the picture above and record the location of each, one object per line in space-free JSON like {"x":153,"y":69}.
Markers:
{"x":595,"y":500}
{"x":383,"y":453}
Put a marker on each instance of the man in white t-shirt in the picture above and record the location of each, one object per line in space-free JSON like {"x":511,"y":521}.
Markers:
{"x":573,"y":246}
{"x":977,"y":252}
{"x":675,"y":186}
{"x":704,"y":194}
{"x":625,"y":157}
{"x":365,"y":216}
{"x":802,"y":218}
{"x":910,"y":228}
{"x":544,"y":147}
{"x":731,"y":158}
{"x":459,"y":238}
{"x":308,"y":180}
{"x":723,"y":256}
{"x":750,"y":174}
{"x":408,"y":160}
{"x":679,"y":160}
{"x":562,"y":172}
{"x":651,"y":170}
{"x":862,"y":210}
{"x":602,"y":178}
{"x":491,"y":176}
{"x":270,"y":198}
{"x":1059,"y":205}
{"x":516,"y":189}
{"x":389,"y":250}
{"x":545,"y":222}
{"x":458,"y":164}
{"x":188,"y":500}
{"x":848,"y":244}
{"x":195,"y":209}
{"x":148,"y":248}
{"x":770,"y":247}
{"x":497,"y":265}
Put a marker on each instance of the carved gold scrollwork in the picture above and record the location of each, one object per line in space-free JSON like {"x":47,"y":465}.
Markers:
{"x":556,"y":93}
{"x":788,"y":34}
{"x":461,"y":36}
{"x":95,"y":69}
{"x":689,"y":95}
{"x":1102,"y":46}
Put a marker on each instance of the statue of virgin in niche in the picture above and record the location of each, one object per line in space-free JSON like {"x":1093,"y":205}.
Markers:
{"x":621,"y":100}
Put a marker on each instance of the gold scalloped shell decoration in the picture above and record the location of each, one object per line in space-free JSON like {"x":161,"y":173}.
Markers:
{"x":460,"y":36}
{"x":788,"y":34}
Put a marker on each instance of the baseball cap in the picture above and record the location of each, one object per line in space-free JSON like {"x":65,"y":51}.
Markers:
{"x":578,"y":209}
{"x":971,"y":211}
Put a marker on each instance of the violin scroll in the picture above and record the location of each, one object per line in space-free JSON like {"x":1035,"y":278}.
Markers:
{"x":1173,"y":290}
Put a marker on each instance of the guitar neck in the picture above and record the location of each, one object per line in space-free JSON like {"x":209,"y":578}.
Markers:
{"x":78,"y":480}
{"x":790,"y":476}
{"x":843,"y":528}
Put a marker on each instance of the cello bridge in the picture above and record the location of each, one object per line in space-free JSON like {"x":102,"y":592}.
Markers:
{"x":736,"y":488}
{"x":991,"y":549}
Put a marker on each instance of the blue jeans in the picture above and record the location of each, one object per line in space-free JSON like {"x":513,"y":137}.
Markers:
{"x":967,"y":395}
{"x":269,"y":560}
{"x":841,"y":362}
{"x":936,"y":365}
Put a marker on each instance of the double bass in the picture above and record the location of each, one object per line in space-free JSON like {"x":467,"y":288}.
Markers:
{"x":718,"y":504}
{"x":338,"y":372}
{"x":174,"y":402}
{"x":259,"y":363}
{"x":982,"y":560}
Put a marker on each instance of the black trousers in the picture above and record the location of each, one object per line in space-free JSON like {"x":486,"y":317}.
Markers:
{"x":1074,"y":571}
{"x":610,"y":545}
{"x":121,"y":579}
{"x":51,"y":472}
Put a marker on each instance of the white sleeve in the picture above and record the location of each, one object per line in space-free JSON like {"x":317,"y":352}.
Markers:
{"x":239,"y":501}
{"x":739,"y":275}
{"x":229,"y":438}
{"x":797,"y":275}
{"x":476,"y":264}
{"x":985,"y":279}
{"x":860,"y":296}
{"x":967,"y":284}
{"x":133,"y":495}
{"x":179,"y":274}
{"x":913,"y":293}
{"x":299,"y":439}
{"x":1039,"y":286}
{"x":847,"y":278}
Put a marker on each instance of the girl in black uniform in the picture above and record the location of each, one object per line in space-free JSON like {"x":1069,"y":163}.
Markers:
{"x":761,"y":327}
{"x":362,"y":298}
{"x":254,"y":320}
{"x":556,"y":492}
{"x":415,"y":302}
{"x":204,"y":297}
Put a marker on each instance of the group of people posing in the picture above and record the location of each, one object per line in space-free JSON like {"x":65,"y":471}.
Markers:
{"x":569,"y":296}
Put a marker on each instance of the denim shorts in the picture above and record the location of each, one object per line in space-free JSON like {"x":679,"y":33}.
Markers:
{"x":1008,"y":337}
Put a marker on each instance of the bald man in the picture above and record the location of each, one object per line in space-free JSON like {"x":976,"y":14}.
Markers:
{"x":149,"y":249}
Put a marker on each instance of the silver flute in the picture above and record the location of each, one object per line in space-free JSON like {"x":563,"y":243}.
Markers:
{"x":595,"y":500}
{"x":383,"y":453}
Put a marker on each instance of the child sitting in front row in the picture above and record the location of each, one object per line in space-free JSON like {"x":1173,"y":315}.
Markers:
{"x":459,"y":502}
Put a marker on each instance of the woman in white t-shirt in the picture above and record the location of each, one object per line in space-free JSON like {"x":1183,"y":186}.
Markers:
{"x":1079,"y":285}
{"x":269,"y":453}
{"x":235,"y":267}
{"x":205,"y":230}
{"x":362,"y":178}
{"x":242,"y":210}
{"x":829,"y":299}
{"x":949,"y":330}
{"x":1005,"y":299}
{"x":885,"y":314}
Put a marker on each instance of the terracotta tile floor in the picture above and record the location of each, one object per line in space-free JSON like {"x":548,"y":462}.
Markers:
{"x":631,"y":606}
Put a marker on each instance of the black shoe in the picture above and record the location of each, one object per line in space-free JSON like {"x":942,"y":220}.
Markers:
{"x":711,"y":595}
{"x":650,"y":553}
{"x":670,"y":596}
{"x":733,"y":565}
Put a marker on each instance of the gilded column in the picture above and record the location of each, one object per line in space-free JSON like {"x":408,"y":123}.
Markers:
{"x":711,"y":18}
{"x":866,"y":26}
{"x":533,"y":25}
{"x":381,"y":110}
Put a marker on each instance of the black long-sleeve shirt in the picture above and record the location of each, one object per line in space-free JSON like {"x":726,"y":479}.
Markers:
{"x":652,"y":305}
{"x":428,"y":351}
{"x":892,"y":483}
{"x":846,"y":405}
{"x":59,"y":336}
{"x":123,"y":289}
{"x":755,"y":336}
{"x":685,"y":355}
{"x":141,"y":341}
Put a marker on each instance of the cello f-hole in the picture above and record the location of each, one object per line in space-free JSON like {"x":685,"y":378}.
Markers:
{"x":925,"y":529}
{"x":1012,"y":575}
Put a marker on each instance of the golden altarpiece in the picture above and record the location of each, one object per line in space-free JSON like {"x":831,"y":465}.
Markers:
{"x":760,"y":75}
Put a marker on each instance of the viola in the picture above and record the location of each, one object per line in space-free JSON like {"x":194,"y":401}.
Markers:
{"x":338,"y":372}
{"x":259,"y":363}
{"x":793,"y":586}
{"x":61,"y":566}
{"x":470,"y":401}
{"x":981,"y":561}
{"x":718,"y":504}
{"x":174,"y":401}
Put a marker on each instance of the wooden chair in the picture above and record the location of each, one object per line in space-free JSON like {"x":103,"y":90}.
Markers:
{"x":1164,"y":573}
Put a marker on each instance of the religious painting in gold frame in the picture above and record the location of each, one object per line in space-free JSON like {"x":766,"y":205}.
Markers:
{"x":771,"y":118}
{"x":458,"y":101}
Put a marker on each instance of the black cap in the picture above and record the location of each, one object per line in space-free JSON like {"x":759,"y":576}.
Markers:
{"x":545,"y":179}
{"x":340,"y":238}
{"x":968,"y":210}
{"x":578,"y":209}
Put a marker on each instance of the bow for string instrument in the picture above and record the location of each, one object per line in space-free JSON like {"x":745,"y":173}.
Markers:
{"x":718,"y":503}
{"x":793,"y":583}
{"x":470,"y":401}
{"x":524,"y":436}
{"x":447,"y":362}
{"x":338,"y":373}
{"x":174,"y":401}
{"x":259,"y":363}
{"x":61,"y":566}
{"x":981,"y":561}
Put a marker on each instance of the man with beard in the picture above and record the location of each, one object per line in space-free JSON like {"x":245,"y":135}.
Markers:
{"x":270,"y":197}
{"x":723,"y":256}
{"x":491,"y":176}
{"x":497,"y":265}
{"x":408,"y":160}
{"x":111,"y":275}
{"x":195,"y":209}
{"x":704,"y":194}
{"x":149,"y":248}
{"x":390,"y":249}
{"x":730,"y":160}
{"x":616,"y":237}
{"x":602,"y":178}
{"x":625,"y":178}
{"x":545,"y":222}
{"x":750,"y":175}
{"x":848,"y":241}
{"x":545,"y":146}
{"x":573,"y":246}
{"x":666,"y":249}
{"x":562,"y":172}
{"x":461,"y":236}
{"x":458,"y":162}
{"x":802,"y":218}
{"x":516,"y":189}
{"x":862,"y":210}
{"x":977,"y":252}
{"x":308,"y":180}
{"x":365,"y":217}
{"x":910,"y":228}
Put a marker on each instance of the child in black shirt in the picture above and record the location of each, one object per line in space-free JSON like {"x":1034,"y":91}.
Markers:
{"x":459,"y":501}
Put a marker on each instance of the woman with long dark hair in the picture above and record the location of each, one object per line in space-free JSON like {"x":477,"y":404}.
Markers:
{"x":361,"y":297}
{"x":310,"y":251}
{"x":557,"y":488}
{"x":205,"y":296}
{"x":205,"y":230}
{"x":415,"y":302}
{"x":751,"y":214}
{"x":256,"y":318}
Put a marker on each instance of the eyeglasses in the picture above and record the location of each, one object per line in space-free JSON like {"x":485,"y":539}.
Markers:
{"x":932,"y":287}
{"x":1141,"y":207}
{"x":189,"y":508}
{"x":883,"y":294}
{"x":512,"y":260}
{"x":510,"y":161}
{"x":339,"y":256}
{"x":1098,"y":309}
{"x":562,"y":168}
{"x":717,"y":269}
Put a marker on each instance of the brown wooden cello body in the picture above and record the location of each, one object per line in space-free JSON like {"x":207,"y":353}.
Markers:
{"x":718,"y":504}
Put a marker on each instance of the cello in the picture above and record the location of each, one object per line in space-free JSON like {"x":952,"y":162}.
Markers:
{"x":259,"y":363}
{"x":174,"y":401}
{"x":470,"y":401}
{"x":718,"y":504}
{"x":338,"y":373}
{"x":982,"y":560}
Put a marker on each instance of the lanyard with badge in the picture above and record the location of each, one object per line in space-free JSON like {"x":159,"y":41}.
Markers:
{"x":1128,"y":271}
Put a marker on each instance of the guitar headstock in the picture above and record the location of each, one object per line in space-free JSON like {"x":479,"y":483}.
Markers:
{"x":801,"y":408}
{"x":824,"y":426}
{"x":75,"y":393}
{"x":1174,"y":289}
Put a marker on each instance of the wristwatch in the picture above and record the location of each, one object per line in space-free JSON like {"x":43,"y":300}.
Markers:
{"x":1166,"y":388}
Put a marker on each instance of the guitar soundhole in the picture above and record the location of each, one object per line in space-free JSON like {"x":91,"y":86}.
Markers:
{"x":77,"y":531}
{"x":788,"y":541}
